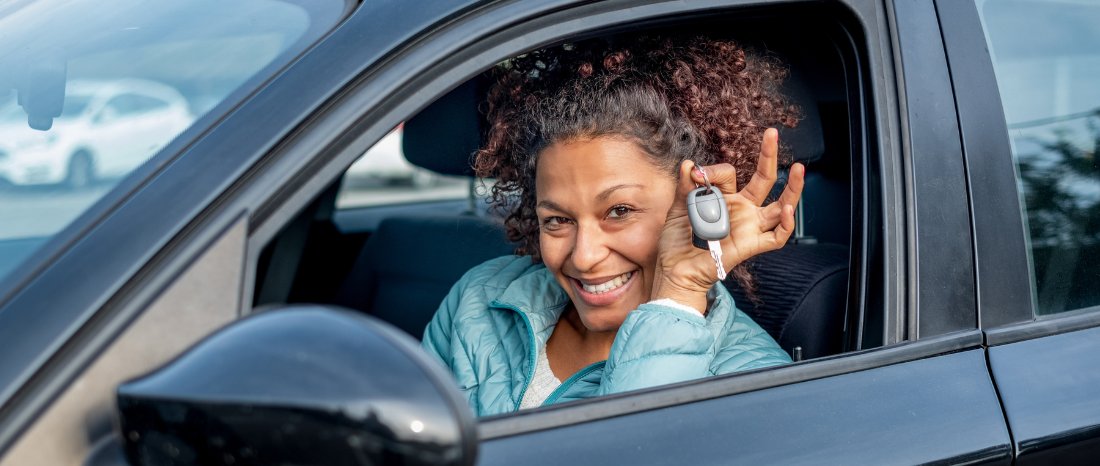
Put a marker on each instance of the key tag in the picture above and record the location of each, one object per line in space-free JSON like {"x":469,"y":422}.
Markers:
{"x":710,"y":222}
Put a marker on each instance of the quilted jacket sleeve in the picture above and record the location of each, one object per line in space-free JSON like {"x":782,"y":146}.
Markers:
{"x":746,"y":346}
{"x":440,"y":340}
{"x":659,"y":345}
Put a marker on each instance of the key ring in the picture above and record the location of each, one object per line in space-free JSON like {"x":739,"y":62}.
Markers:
{"x":705,"y":179}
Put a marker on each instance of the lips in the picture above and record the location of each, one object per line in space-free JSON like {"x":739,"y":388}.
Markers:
{"x":605,"y":292}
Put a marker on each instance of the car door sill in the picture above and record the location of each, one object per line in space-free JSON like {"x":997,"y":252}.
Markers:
{"x":574,"y":412}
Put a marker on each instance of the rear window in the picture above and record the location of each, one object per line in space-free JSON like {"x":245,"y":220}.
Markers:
{"x":1046,"y":54}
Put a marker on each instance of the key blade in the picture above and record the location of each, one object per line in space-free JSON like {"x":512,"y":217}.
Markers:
{"x":716,"y":253}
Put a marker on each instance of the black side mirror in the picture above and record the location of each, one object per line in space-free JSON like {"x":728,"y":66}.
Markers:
{"x":305,"y":384}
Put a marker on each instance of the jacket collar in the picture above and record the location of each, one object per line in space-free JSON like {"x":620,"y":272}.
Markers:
{"x":537,"y":295}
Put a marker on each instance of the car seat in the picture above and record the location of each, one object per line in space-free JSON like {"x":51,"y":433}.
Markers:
{"x":409,"y":264}
{"x":801,"y":296}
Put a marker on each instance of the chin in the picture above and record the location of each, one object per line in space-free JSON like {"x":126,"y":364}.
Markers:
{"x":603,"y":320}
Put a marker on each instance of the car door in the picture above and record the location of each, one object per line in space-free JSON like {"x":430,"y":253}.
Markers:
{"x":916,"y":387}
{"x":1027,"y":77}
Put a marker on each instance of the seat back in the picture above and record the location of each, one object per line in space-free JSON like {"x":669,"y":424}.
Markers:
{"x":409,"y":264}
{"x":801,"y":296}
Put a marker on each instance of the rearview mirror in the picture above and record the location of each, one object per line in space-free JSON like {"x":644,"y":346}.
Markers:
{"x":42,"y":95}
{"x":304,"y":384}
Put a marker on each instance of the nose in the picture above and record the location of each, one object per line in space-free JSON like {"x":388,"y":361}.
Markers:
{"x":590,"y":247}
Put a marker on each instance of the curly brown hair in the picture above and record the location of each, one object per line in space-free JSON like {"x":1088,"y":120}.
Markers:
{"x":677,"y":97}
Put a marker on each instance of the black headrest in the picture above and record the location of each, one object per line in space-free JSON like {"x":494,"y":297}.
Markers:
{"x":807,"y":141}
{"x":444,"y":136}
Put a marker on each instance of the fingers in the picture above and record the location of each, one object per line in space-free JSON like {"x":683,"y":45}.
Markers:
{"x":723,"y":176}
{"x":795,"y":181}
{"x":762,"y":181}
{"x":792,"y":194}
{"x":782,"y":233}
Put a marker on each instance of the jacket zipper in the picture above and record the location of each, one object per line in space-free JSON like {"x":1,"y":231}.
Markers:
{"x":570,"y":381}
{"x":530,"y":354}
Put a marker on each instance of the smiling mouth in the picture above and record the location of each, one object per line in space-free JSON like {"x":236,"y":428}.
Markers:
{"x":609,"y":285}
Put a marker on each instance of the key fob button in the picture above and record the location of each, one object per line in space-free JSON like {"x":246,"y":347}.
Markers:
{"x":707,"y":214}
{"x":708,"y":209}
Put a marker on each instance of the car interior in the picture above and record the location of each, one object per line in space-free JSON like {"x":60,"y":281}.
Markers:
{"x":398,"y":260}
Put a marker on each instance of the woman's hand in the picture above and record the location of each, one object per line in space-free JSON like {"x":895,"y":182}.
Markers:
{"x":684,"y":272}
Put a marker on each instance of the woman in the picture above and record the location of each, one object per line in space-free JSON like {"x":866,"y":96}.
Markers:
{"x":601,"y":143}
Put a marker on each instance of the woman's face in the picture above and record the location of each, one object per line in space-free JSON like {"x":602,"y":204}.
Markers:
{"x":601,"y":205}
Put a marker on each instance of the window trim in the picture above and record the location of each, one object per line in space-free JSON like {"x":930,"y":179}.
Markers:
{"x":1005,"y":294}
{"x":388,"y":104}
{"x":1044,"y":326}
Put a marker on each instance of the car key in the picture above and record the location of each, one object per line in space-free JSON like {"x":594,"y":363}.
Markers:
{"x":710,"y":221}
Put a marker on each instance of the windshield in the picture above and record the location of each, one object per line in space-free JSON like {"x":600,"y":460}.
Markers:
{"x":92,"y":89}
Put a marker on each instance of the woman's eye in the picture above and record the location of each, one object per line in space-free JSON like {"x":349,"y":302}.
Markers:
{"x":619,"y":212}
{"x":554,"y":222}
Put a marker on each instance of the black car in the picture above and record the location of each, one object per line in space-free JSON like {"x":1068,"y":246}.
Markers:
{"x":940,"y":297}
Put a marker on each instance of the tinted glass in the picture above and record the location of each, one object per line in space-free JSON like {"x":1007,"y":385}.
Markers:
{"x":92,"y":89}
{"x":135,"y":104}
{"x":1046,"y":54}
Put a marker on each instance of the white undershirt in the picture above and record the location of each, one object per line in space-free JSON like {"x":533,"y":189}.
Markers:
{"x":543,"y":383}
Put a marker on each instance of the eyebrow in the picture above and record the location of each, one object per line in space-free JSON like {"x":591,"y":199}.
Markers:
{"x":600,"y":198}
{"x":549,"y":205}
{"x":609,"y":191}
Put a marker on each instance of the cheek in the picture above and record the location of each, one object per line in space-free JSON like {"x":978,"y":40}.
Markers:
{"x":639,"y":242}
{"x":554,"y":252}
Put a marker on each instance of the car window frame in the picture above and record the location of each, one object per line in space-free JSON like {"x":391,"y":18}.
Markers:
{"x":277,"y":211}
{"x":390,"y":96}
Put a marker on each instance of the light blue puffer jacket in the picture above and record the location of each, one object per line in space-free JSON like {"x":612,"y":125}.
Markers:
{"x":490,"y":327}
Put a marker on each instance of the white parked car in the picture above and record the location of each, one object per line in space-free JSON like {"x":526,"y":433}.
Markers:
{"x":107,"y":129}
{"x":386,"y":160}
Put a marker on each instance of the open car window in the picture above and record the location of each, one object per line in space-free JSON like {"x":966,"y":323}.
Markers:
{"x":411,"y":196}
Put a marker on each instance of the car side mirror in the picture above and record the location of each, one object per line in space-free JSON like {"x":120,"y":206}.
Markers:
{"x":299,"y":384}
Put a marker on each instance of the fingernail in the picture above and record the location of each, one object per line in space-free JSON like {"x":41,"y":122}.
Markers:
{"x":790,"y":210}
{"x":698,"y":172}
{"x":776,"y":133}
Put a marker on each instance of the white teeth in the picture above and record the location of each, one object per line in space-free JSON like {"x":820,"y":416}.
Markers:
{"x":608,"y":285}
